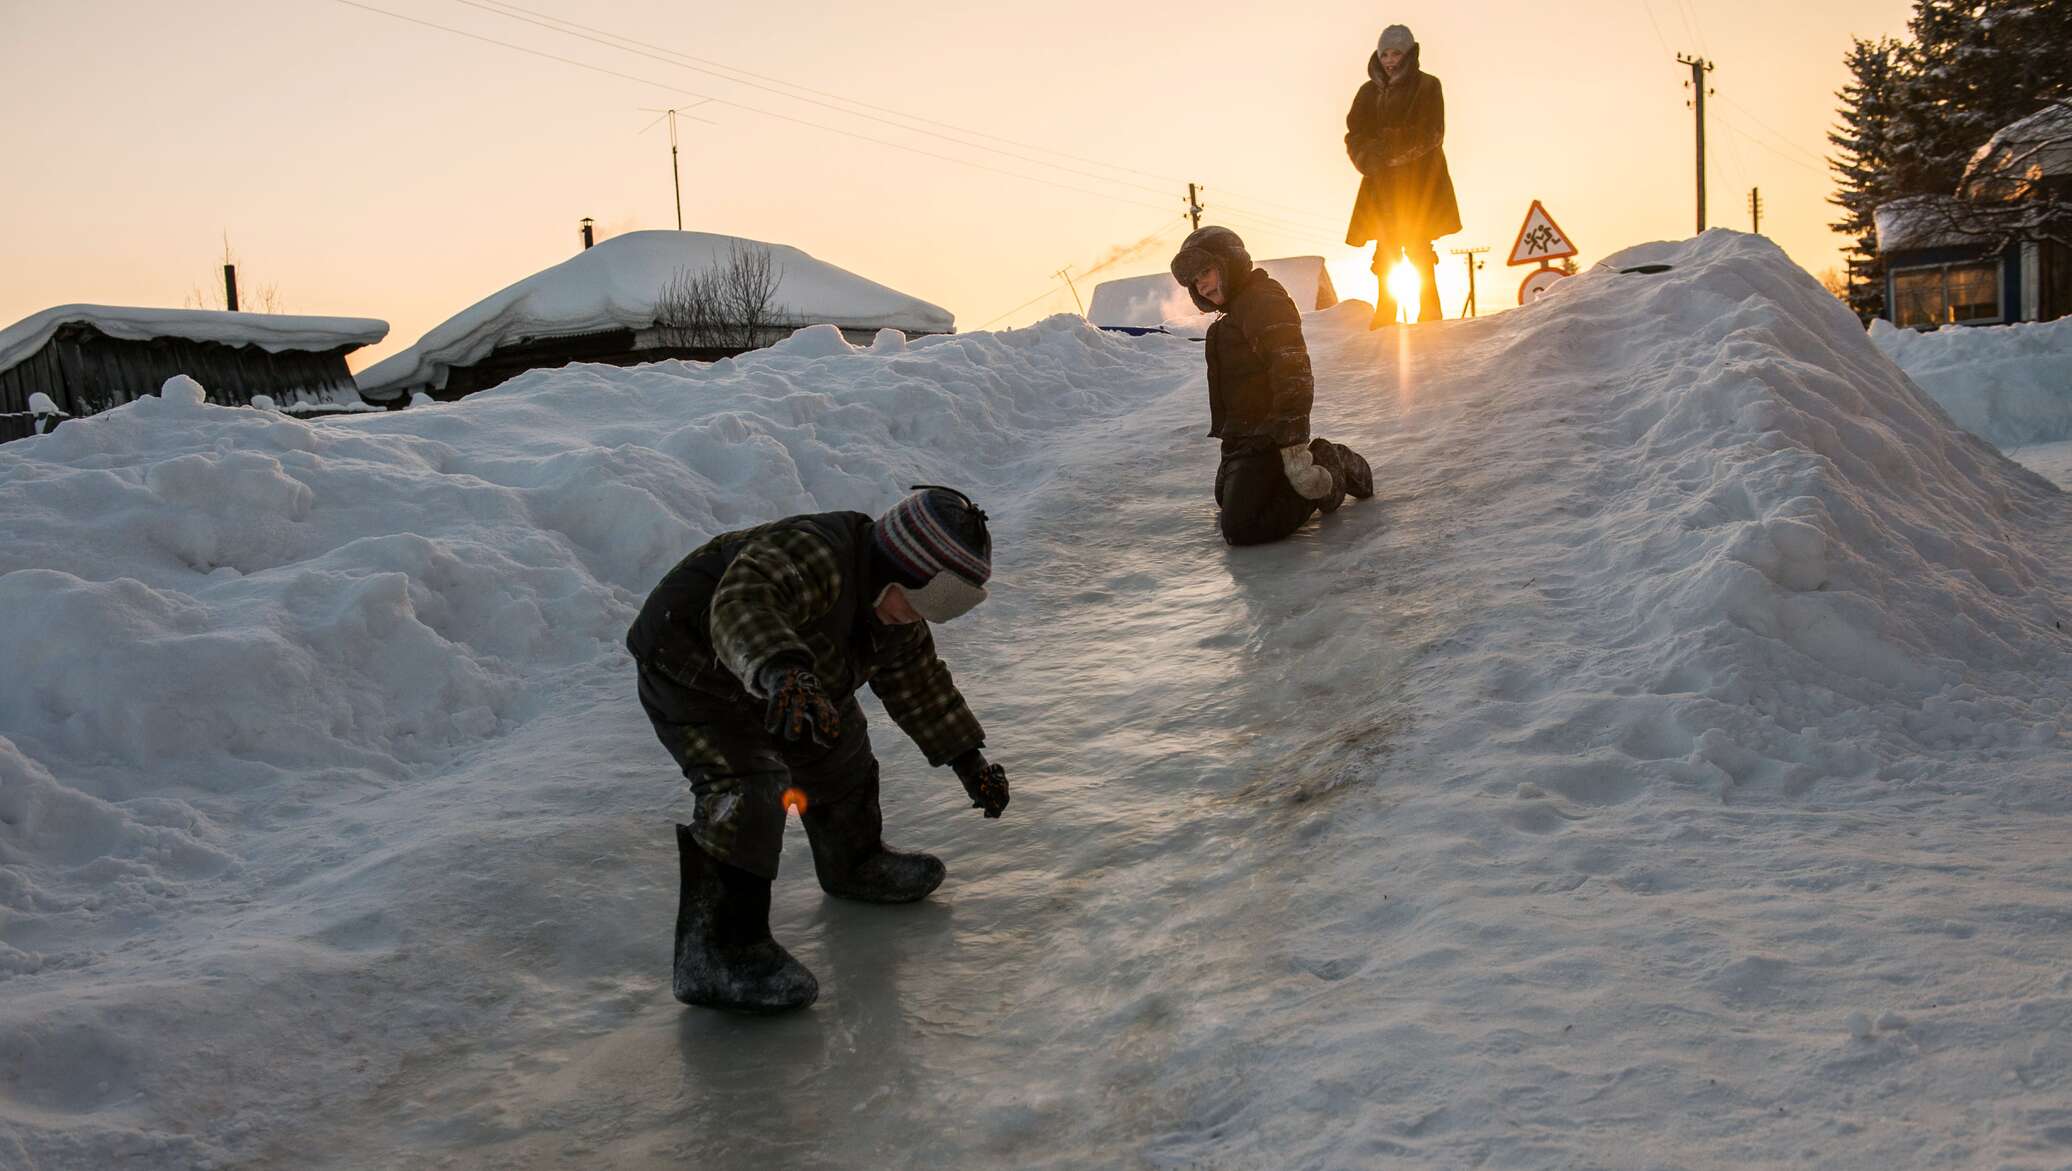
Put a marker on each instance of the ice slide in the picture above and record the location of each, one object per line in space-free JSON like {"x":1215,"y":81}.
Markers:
{"x":1667,"y":768}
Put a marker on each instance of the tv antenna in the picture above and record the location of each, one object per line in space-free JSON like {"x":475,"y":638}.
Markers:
{"x":675,"y":173}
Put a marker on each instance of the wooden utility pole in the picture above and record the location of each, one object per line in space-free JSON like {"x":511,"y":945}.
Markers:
{"x":676,"y":171}
{"x":1065,"y":274}
{"x":1755,"y":210}
{"x":1194,"y":207}
{"x":1470,"y":309}
{"x":1699,"y":68}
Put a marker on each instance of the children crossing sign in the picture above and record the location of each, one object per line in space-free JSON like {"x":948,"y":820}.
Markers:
{"x":1540,"y":239}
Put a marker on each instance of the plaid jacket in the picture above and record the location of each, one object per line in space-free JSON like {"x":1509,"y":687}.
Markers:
{"x":795,"y":590}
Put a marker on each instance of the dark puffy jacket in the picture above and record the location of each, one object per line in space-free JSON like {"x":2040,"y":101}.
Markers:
{"x":800,"y":590}
{"x":1260,"y":387}
{"x":1395,"y":135}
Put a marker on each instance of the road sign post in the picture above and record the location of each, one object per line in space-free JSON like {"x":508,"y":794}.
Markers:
{"x":1540,"y":241}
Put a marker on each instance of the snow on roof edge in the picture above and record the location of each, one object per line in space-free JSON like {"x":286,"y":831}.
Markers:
{"x":612,"y":286}
{"x":272,"y":332}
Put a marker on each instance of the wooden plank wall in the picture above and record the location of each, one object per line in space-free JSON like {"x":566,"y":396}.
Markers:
{"x":86,"y":371}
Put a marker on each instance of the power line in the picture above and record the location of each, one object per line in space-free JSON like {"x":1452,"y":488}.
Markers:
{"x":1270,"y":221}
{"x":1134,"y":249}
{"x":826,"y":94}
{"x":1050,"y":292}
{"x":1780,"y":136}
{"x":723,"y":72}
{"x":847,"y":134}
{"x":1753,"y":140}
{"x":670,"y":58}
{"x":1690,"y":15}
{"x":1734,"y":152}
{"x":1118,"y":258}
{"x":1266,"y":220}
{"x":1656,"y":25}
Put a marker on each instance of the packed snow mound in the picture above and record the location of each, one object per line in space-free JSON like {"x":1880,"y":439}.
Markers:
{"x":197,"y":591}
{"x":1690,"y":684}
{"x":1780,"y":524}
{"x":2008,"y":384}
{"x":616,"y":284}
{"x":821,"y":341}
{"x":272,"y":332}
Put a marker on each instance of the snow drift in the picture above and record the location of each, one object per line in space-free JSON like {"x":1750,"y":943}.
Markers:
{"x":2008,"y":384}
{"x":1666,"y":766}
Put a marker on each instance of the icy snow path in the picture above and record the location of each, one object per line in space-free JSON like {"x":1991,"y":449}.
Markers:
{"x":2053,"y":461}
{"x":1404,"y":841}
{"x":1668,"y":768}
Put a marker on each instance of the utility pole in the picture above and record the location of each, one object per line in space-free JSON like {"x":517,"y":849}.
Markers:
{"x":1470,"y":309}
{"x":1755,"y":210}
{"x":1194,"y":207}
{"x":675,"y":171}
{"x":675,"y":174}
{"x":1699,"y":68}
{"x":1065,"y":274}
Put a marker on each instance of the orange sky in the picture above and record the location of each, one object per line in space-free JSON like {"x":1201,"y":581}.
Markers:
{"x":369,"y":166}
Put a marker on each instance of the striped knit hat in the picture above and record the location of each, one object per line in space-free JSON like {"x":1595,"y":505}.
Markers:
{"x":936,"y":545}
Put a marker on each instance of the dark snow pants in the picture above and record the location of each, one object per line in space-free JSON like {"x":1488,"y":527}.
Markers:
{"x":741,"y":776}
{"x":1254,"y":501}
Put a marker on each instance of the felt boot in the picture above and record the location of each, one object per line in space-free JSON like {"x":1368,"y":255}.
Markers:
{"x":851,"y":857}
{"x":725,"y":957}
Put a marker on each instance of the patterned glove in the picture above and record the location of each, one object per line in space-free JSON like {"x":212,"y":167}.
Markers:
{"x":1303,"y":473}
{"x":797,"y":707}
{"x":985,"y":783}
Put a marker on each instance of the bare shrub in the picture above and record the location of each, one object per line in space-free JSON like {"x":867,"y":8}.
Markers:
{"x":731,"y":305}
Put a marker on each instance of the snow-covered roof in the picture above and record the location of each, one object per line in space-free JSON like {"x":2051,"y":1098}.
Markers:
{"x":615,"y":286}
{"x":2037,"y":148}
{"x":273,"y":332}
{"x":1152,"y":301}
{"x":1938,"y":222}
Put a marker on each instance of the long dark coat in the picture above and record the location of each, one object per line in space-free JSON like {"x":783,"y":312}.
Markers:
{"x":1395,"y":134}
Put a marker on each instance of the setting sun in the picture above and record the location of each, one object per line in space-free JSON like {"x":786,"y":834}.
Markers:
{"x":1404,"y":285}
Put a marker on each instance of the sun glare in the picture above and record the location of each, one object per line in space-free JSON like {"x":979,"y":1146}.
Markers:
{"x":1404,"y":285}
{"x":794,"y":801}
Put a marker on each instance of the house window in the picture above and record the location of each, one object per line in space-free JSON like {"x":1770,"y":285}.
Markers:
{"x":1960,"y":294}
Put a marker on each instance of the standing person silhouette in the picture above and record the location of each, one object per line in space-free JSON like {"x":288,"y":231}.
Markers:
{"x":1395,"y":134}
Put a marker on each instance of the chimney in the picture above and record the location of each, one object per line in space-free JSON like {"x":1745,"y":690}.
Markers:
{"x":230,"y":287}
{"x":589,"y":233}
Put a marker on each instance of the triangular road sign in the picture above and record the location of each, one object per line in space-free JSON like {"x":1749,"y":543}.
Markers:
{"x":1540,"y":238}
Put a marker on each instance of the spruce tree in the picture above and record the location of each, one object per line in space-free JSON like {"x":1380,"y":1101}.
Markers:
{"x":1935,"y":126}
{"x":1863,"y":165}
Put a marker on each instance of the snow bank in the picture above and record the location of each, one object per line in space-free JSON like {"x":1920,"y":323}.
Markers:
{"x":615,"y":285}
{"x":227,"y":632}
{"x":1665,"y":767}
{"x":2009,"y":384}
{"x":272,"y":332}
